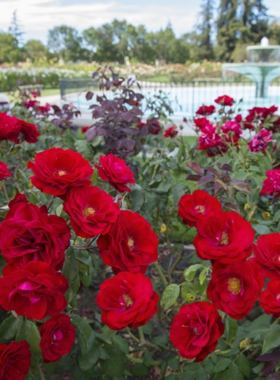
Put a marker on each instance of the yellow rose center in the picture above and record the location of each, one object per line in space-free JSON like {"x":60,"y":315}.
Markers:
{"x":62,"y":173}
{"x":128,"y":301}
{"x":200,"y":209}
{"x":234,"y":285}
{"x":88,"y":211}
{"x":130,"y":243}
{"x":224,"y":239}
{"x":195,"y":331}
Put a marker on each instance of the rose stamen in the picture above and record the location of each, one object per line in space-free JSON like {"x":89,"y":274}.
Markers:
{"x":88,"y":211}
{"x":62,"y":173}
{"x":224,"y":238}
{"x":128,"y":301}
{"x":200,"y":209}
{"x":130,"y":243}
{"x":234,"y":285}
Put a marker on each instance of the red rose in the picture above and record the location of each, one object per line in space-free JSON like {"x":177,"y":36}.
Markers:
{"x":271,"y":185}
{"x":130,"y":245}
{"x":201,"y":122}
{"x":57,"y":338}
{"x":206,"y":110}
{"x":195,"y":330}
{"x":224,"y":100}
{"x":267,"y":254}
{"x":35,"y":291}
{"x":262,"y":112}
{"x":57,"y":170}
{"x":28,"y":233}
{"x":115,"y":170}
{"x":270,"y":298}
{"x":30,"y":103}
{"x":199,"y":204}
{"x":18,"y":199}
{"x":127,"y":299}
{"x":232,"y":131}
{"x":9,"y":128}
{"x":153,"y":126}
{"x":92,"y":211}
{"x":14,"y":360}
{"x":238,"y":118}
{"x":29,"y":131}
{"x":225,"y":237}
{"x":44,"y":109}
{"x":210,"y":141}
{"x":84,"y":129}
{"x":171,"y":132}
{"x":234,"y":288}
{"x":4,"y":171}
{"x":260,"y":141}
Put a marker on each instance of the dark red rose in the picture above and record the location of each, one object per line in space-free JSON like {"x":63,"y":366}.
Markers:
{"x":153,"y":126}
{"x":29,"y":132}
{"x":18,"y":199}
{"x":57,"y":338}
{"x":271,"y":185}
{"x":262,"y":112}
{"x":270,"y":299}
{"x":131,"y":244}
{"x":140,"y":125}
{"x":260,"y":141}
{"x":234,"y":288}
{"x":171,"y":132}
{"x":267,"y":255}
{"x":28,"y":233}
{"x":35,"y":291}
{"x":4,"y":171}
{"x":195,"y":330}
{"x":44,"y":109}
{"x":57,"y":170}
{"x":249,"y":123}
{"x":232,"y":131}
{"x":238,"y":118}
{"x":185,"y":120}
{"x":201,"y":122}
{"x":210,"y":141}
{"x":127,"y":299}
{"x":206,"y":110}
{"x":34,"y":94}
{"x":224,"y":100}
{"x":115,"y":170}
{"x":15,"y":360}
{"x":9,"y":128}
{"x":199,"y":204}
{"x":84,"y":129}
{"x":92,"y":211}
{"x":30,"y":103}
{"x":225,"y":237}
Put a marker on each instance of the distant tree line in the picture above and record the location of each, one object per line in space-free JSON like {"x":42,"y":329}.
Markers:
{"x":238,"y":24}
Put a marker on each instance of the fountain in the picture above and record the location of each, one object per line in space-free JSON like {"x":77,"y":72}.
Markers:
{"x":262,"y":68}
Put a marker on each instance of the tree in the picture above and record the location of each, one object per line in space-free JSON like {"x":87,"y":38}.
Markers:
{"x":9,"y":51}
{"x":254,"y":21}
{"x":15,"y":29}
{"x":35,"y":49}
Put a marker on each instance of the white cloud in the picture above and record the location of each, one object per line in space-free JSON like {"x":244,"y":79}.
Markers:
{"x":37,"y":16}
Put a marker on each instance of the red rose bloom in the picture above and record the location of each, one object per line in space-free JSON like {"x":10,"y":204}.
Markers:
{"x":201,"y":122}
{"x":260,"y":141}
{"x":84,"y":129}
{"x":30,"y":103}
{"x":57,"y":170}
{"x":9,"y":128}
{"x":238,"y":118}
{"x":267,"y":254}
{"x":206,"y":110}
{"x":232,"y":131}
{"x":225,"y":237}
{"x":4,"y":171}
{"x":234,"y":288}
{"x":115,"y":170}
{"x":127,"y":299}
{"x":92,"y":211}
{"x":198,"y":205}
{"x":44,"y":109}
{"x":153,"y":126}
{"x":131,"y":244}
{"x":28,"y":233}
{"x":262,"y":112}
{"x":18,"y":199}
{"x":15,"y":360}
{"x":271,"y":185}
{"x":210,"y":141}
{"x":195,"y":330}
{"x":35,"y":291}
{"x":57,"y":338}
{"x":29,"y":131}
{"x":171,"y":132}
{"x":270,"y":299}
{"x":224,"y":100}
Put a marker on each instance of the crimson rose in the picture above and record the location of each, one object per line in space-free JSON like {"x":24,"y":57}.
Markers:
{"x":206,"y":110}
{"x":36,"y":290}
{"x":224,"y":100}
{"x":171,"y":132}
{"x":271,"y":185}
{"x":9,"y":127}
{"x":130,"y":245}
{"x":201,"y":122}
{"x":29,"y":131}
{"x":92,"y":211}
{"x":14,"y":360}
{"x":225,"y":237}
{"x":195,"y":330}
{"x":4,"y":171}
{"x":57,"y":338}
{"x":270,"y":298}
{"x":234,"y":288}
{"x":199,"y":204}
{"x":29,"y":233}
{"x":127,"y":299}
{"x":115,"y":170}
{"x":57,"y":170}
{"x":267,"y":254}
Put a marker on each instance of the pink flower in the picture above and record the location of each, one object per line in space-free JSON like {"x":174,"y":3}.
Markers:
{"x":209,"y":139}
{"x":271,"y":184}
{"x":171,"y":132}
{"x":232,"y":131}
{"x":224,"y":100}
{"x":260,"y":141}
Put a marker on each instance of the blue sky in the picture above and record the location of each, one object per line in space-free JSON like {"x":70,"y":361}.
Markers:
{"x":37,"y":16}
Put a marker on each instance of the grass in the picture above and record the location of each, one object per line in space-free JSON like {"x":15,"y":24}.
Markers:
{"x":44,"y":92}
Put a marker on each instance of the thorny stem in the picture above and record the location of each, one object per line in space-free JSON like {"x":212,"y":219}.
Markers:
{"x":160,"y":273}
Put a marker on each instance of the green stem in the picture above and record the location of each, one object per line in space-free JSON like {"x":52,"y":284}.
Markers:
{"x":5,"y":191}
{"x":42,"y":376}
{"x":160,"y":273}
{"x":141,"y":334}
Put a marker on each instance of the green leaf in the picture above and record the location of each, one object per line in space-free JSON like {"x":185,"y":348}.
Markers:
{"x":140,"y":370}
{"x":271,"y":340}
{"x":235,"y":373}
{"x":87,"y":360}
{"x":222,"y":364}
{"x":114,"y":365}
{"x":121,"y":343}
{"x":170,"y":295}
{"x":188,"y":292}
{"x":164,"y":187}
{"x":9,"y":328}
{"x":29,"y":331}
{"x":137,"y":199}
{"x":86,"y":336}
{"x":244,"y":365}
{"x":201,"y":374}
{"x":202,"y":276}
{"x":231,"y":329}
{"x":190,"y":272}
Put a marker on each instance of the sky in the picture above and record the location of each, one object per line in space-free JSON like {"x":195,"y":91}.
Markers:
{"x":37,"y":16}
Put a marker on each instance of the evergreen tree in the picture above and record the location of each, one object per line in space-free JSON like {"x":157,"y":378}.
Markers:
{"x":15,"y":29}
{"x":254,"y":21}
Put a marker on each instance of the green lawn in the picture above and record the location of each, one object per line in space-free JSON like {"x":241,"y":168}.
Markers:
{"x":44,"y":92}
